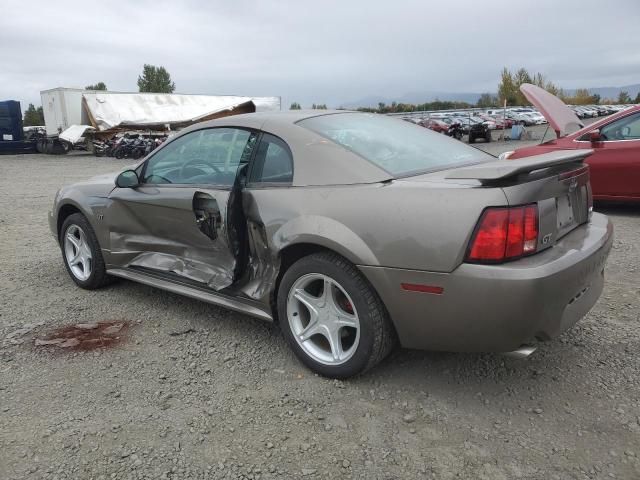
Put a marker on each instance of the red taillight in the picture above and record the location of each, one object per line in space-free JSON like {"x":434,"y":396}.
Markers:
{"x":504,"y":234}
{"x":490,"y":239}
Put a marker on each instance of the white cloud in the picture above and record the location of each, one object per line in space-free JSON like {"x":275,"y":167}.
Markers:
{"x":327,"y":51}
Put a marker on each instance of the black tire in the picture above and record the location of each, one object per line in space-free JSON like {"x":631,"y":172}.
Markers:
{"x":472,"y":139}
{"x":98,"y":277}
{"x":377,"y":335}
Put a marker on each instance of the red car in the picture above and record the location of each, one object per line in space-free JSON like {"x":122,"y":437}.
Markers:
{"x":615,"y":140}
{"x":435,"y":125}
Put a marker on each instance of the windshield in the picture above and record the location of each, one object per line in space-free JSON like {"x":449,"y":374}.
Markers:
{"x":398,"y":147}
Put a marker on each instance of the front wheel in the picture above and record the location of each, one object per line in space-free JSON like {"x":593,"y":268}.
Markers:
{"x":81,"y":253}
{"x":332,"y":318}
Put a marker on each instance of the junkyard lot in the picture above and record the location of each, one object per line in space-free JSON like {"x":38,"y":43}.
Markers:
{"x":201,"y":392}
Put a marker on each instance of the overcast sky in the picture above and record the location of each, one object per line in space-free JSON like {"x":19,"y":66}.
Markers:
{"x":323,"y":51}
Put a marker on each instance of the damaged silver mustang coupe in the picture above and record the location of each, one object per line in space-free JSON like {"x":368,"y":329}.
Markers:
{"x":352,"y":230}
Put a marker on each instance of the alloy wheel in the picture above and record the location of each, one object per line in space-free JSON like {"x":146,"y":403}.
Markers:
{"x":77,"y":252}
{"x":323,"y":319}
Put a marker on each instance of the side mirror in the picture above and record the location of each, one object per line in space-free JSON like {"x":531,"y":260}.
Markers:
{"x":594,"y":136}
{"x":127,"y":179}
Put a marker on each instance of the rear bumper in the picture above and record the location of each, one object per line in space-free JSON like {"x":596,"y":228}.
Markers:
{"x":500,"y":307}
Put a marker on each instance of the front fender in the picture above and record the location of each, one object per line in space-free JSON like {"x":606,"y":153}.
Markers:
{"x":90,"y":206}
{"x":327,"y":233}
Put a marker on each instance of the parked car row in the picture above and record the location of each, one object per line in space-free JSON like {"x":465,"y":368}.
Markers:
{"x":499,"y":118}
{"x":456,"y":127}
{"x":592,"y":111}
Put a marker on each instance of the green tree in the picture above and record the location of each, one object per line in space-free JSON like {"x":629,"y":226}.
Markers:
{"x":97,"y":86}
{"x":33,"y":116}
{"x":507,"y":89}
{"x":539,"y":80}
{"x":581,"y":97}
{"x":623,"y":97}
{"x":320,"y":106}
{"x":637,"y":100}
{"x":295,"y":106}
{"x":521,"y":76}
{"x":156,"y":80}
{"x":552,"y":88}
{"x":487,"y":100}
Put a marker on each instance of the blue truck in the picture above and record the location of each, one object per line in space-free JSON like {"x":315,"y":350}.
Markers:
{"x":11,"y":132}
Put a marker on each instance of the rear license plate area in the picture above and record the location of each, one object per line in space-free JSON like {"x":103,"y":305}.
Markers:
{"x":565,"y":213}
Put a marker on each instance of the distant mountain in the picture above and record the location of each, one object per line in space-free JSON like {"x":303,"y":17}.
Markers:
{"x":414,"y":97}
{"x":611,"y":92}
{"x":422,"y":97}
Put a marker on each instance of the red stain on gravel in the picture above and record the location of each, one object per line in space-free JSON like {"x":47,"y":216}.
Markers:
{"x":85,"y":336}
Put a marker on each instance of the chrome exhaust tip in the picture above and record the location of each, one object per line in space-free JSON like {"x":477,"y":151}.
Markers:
{"x":523,"y":352}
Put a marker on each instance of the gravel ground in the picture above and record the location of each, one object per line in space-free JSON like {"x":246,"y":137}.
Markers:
{"x":199,"y":392}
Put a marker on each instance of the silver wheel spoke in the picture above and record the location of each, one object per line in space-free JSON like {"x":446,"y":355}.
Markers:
{"x":86,"y":251}
{"x":310,"y":330}
{"x":76,"y":259}
{"x":73,"y":240}
{"x":86,"y":265}
{"x":327,"y":297}
{"x":335,"y":342}
{"x":346,"y":320}
{"x":307,"y":300}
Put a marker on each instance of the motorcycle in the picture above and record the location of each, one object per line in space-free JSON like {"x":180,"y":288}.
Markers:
{"x":128,"y":146}
{"x":455,"y":130}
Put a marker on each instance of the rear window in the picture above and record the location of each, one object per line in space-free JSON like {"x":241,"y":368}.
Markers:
{"x":400,"y":148}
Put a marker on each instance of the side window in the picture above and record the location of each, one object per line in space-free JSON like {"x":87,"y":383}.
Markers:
{"x":627,"y":128}
{"x":209,"y":156}
{"x":273,"y":162}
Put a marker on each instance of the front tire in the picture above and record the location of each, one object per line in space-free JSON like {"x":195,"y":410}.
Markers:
{"x":332,"y":318}
{"x":81,"y":253}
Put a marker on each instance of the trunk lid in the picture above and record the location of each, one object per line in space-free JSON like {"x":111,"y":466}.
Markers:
{"x":561,"y":118}
{"x":558,"y":182}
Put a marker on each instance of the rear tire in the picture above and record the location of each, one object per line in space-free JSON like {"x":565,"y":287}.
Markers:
{"x":366,"y":337}
{"x":82,"y":255}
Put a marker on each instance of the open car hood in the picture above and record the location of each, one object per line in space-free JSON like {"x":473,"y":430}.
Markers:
{"x":561,"y":118}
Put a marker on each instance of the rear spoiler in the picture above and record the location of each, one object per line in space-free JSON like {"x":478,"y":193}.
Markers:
{"x":501,"y":169}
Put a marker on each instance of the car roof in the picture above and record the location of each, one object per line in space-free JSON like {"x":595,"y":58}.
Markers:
{"x":281,"y":117}
{"x":317,"y":160}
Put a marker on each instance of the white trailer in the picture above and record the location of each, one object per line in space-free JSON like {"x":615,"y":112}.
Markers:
{"x":63,"y":107}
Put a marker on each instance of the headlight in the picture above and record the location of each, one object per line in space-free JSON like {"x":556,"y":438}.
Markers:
{"x":505,"y":155}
